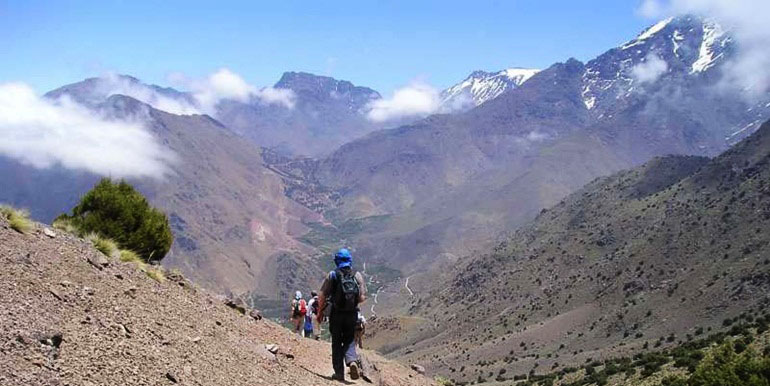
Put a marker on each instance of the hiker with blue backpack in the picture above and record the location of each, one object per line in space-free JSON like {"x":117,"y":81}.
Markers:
{"x":342,"y":291}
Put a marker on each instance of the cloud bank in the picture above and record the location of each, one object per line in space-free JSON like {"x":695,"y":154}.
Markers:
{"x":112,"y":84}
{"x":746,"y":21}
{"x":225,"y":84}
{"x":650,"y":69}
{"x":416,"y":99}
{"x":203,"y":94}
{"x":43,"y":133}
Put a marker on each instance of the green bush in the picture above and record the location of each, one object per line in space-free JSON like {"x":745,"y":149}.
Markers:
{"x":118,"y":212}
{"x":725,"y":367}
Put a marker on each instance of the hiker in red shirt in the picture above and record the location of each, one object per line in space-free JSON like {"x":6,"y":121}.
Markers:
{"x":298,"y":311}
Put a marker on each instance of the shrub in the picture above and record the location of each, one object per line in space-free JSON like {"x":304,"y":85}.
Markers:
{"x":118,"y":212}
{"x":442,"y":381}
{"x":17,"y":219}
{"x":672,"y":380}
{"x":726,"y":367}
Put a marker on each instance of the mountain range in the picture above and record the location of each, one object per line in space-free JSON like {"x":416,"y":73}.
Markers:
{"x":265,"y":190}
{"x":445,"y":185}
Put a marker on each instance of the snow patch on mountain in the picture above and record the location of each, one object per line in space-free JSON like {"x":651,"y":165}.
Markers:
{"x":482,"y":86}
{"x":648,"y":33}
{"x":712,"y":32}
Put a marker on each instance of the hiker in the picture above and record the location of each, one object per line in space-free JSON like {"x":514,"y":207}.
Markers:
{"x":308,"y":321}
{"x":298,"y":312}
{"x":312,"y":309}
{"x":343,"y":290}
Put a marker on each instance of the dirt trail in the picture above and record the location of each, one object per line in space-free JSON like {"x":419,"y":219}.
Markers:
{"x":406,"y":285}
{"x":72,"y":317}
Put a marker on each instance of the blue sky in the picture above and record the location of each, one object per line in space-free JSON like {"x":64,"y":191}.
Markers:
{"x":381,"y":44}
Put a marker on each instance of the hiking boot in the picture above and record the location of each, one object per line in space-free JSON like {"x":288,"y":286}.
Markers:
{"x":338,"y":377}
{"x":354,"y":371}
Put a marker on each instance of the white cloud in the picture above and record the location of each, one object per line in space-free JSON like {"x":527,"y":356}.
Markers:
{"x":225,"y":84}
{"x":279,"y":96}
{"x":416,"y":99}
{"x":458,"y":102}
{"x":536,"y":136}
{"x":747,"y":22}
{"x":204,"y":94}
{"x":112,"y":84}
{"x":650,"y":69}
{"x":43,"y":133}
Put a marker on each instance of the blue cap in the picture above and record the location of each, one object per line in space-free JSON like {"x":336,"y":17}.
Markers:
{"x":343,"y":258}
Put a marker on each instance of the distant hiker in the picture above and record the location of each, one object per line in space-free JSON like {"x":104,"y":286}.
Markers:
{"x":308,"y":322}
{"x":298,"y":311}
{"x":343,"y":290}
{"x":312,"y":310}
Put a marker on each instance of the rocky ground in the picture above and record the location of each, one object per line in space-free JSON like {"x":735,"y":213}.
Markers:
{"x":70,"y":316}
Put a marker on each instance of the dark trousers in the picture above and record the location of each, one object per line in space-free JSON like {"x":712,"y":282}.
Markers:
{"x":342,"y":326}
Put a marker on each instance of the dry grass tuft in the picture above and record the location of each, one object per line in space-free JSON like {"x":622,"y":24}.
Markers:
{"x":65,"y":225}
{"x":18,"y":219}
{"x":156,"y":274}
{"x":103,"y":244}
{"x":127,"y":256}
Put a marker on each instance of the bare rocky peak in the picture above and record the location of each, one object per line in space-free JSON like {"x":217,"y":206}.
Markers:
{"x":312,"y":88}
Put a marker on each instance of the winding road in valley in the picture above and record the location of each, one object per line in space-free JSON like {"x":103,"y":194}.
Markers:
{"x":406,"y":285}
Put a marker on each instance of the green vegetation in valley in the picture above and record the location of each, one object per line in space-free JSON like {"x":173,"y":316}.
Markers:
{"x":118,"y":212}
{"x":329,"y":237}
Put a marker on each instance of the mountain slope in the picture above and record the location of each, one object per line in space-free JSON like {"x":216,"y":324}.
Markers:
{"x":68,"y":321}
{"x":657,"y":251}
{"x":231,"y":220}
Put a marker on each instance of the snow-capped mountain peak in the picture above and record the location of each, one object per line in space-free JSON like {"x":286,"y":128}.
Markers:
{"x":481,"y":86}
{"x":648,"y":33}
{"x":671,"y":50}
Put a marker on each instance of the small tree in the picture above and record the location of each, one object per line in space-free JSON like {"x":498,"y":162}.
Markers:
{"x":119,"y":212}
